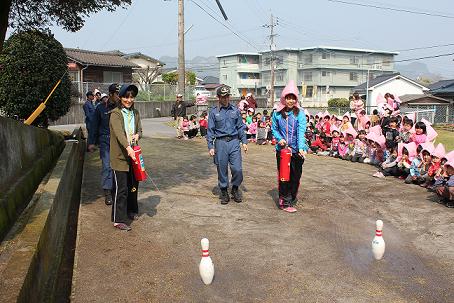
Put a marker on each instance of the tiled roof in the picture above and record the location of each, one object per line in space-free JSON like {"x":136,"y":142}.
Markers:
{"x":414,"y":97}
{"x":87,"y":57}
{"x":443,"y":85}
{"x":140,"y":55}
{"x":210,"y":80}
{"x":375,"y":81}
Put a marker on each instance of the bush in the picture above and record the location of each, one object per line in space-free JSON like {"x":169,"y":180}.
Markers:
{"x":32,"y":62}
{"x":338,"y":102}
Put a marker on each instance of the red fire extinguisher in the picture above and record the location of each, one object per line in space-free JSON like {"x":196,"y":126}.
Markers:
{"x":284,"y":167}
{"x":138,"y":166}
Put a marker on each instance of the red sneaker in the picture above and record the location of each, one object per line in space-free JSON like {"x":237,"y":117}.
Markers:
{"x":290,"y":209}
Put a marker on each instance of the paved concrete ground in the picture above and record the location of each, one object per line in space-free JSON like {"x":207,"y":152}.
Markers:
{"x":319,"y":254}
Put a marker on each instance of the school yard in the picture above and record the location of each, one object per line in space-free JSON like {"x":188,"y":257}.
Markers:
{"x":322,"y":253}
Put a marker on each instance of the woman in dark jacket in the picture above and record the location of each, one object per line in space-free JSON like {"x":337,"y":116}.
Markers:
{"x":125,"y":130}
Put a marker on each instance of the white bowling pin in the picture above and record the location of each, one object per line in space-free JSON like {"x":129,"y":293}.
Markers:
{"x":378,"y":244}
{"x":206,"y":266}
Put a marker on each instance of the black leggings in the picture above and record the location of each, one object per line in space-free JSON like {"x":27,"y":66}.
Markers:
{"x":289,"y":190}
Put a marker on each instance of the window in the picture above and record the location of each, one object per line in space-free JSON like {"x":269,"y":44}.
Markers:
{"x":325,"y":55}
{"x":112,"y":77}
{"x":73,"y":76}
{"x":307,"y":76}
{"x":370,"y":59}
{"x":354,"y":60}
{"x":353,"y":76}
{"x":308,"y":59}
{"x":224,"y":62}
{"x":309,"y":92}
{"x":325,"y":73}
{"x":387,"y":62}
{"x":224,"y":77}
{"x":280,"y":76}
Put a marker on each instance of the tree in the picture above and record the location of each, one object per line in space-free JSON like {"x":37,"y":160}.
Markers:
{"x":146,"y":75}
{"x":32,"y":62}
{"x":338,"y":102}
{"x":172,"y":78}
{"x":69,"y":14}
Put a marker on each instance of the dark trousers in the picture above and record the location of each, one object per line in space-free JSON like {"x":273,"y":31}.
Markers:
{"x":104,"y":153}
{"x":124,"y":193}
{"x":203,"y":131}
{"x":289,"y":190}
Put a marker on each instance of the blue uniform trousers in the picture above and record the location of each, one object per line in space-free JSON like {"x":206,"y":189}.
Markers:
{"x":228,"y":152}
{"x":104,"y":153}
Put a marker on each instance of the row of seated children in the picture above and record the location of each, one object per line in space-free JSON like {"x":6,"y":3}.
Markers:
{"x":192,"y":126}
{"x":404,"y":151}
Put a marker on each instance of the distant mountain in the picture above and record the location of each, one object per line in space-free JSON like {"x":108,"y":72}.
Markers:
{"x":417,"y":71}
{"x":202,"y":66}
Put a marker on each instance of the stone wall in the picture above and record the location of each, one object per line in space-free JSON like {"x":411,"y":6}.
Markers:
{"x":27,"y":153}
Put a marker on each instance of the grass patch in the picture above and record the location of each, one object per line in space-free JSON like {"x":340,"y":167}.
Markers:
{"x":445,"y":137}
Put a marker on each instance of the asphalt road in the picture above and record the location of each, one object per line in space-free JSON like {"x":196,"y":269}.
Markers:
{"x":322,"y":253}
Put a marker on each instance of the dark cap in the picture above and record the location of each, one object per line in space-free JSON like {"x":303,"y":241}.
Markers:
{"x":89,"y":93}
{"x":128,"y":87}
{"x":223,"y":91}
{"x":114,"y":87}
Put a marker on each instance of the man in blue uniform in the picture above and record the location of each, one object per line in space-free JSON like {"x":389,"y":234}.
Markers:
{"x":89,"y":110}
{"x":224,"y":134}
{"x":100,"y":133}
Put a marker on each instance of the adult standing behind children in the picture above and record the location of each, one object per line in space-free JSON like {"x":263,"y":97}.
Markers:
{"x":100,"y":134}
{"x":251,"y":101}
{"x":289,"y":127}
{"x":125,"y":130}
{"x":179,"y":112}
{"x":224,"y":134}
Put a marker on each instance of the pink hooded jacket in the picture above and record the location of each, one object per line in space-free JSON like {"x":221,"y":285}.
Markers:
{"x":290,"y":88}
{"x":439,"y":151}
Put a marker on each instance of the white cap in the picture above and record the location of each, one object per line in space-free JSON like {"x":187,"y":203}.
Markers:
{"x":179,"y":95}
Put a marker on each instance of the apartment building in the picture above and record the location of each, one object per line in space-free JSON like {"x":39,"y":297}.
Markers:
{"x":240,"y":71}
{"x":321,"y":72}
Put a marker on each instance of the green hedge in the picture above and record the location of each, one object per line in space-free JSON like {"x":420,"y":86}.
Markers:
{"x":338,"y":102}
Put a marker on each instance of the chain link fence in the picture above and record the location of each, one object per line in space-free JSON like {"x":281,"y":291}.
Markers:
{"x":147,"y":92}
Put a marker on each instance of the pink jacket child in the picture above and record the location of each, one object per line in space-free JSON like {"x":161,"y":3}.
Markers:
{"x":342,"y":147}
{"x":252,"y":130}
{"x":185,"y":125}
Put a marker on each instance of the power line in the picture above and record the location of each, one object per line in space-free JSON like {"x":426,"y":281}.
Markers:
{"x":394,"y":9}
{"x":243,"y":39}
{"x":424,"y":47}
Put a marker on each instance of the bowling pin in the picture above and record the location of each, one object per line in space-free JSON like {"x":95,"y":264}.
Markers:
{"x":206,"y":267}
{"x":378,"y":244}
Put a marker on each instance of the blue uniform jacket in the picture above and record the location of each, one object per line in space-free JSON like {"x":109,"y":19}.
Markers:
{"x":100,"y":122}
{"x":225,"y":121}
{"x":89,"y":110}
{"x":296,"y":130}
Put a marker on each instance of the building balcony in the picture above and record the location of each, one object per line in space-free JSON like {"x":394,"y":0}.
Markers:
{"x":249,"y":83}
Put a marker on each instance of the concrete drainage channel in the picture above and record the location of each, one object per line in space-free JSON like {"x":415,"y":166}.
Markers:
{"x":37,"y":256}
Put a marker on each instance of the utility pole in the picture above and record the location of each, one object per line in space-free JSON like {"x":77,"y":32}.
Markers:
{"x":181,"y":67}
{"x":272,"y":57}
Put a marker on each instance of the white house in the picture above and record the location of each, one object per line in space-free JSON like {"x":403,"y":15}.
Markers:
{"x":395,"y":84}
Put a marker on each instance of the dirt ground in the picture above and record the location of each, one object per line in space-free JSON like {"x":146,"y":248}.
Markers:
{"x":322,"y":253}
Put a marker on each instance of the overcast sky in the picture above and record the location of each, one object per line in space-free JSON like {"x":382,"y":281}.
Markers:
{"x":150,"y":26}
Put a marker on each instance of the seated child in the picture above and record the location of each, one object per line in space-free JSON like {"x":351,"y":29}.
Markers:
{"x":252,"y":130}
{"x":319,"y":145}
{"x":437,"y":154}
{"x":446,"y":190}
{"x":203,"y":122}
{"x":420,"y":135}
{"x":359,"y":150}
{"x":334,"y":150}
{"x":388,"y":167}
{"x":193,"y":127}
{"x":405,"y":133}
{"x":185,"y":127}
{"x":414,"y":175}
{"x":407,"y":152}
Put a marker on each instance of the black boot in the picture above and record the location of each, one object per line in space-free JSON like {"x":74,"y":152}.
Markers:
{"x":450,"y":204}
{"x":236,"y":194}
{"x":108,"y":197}
{"x":225,"y":198}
